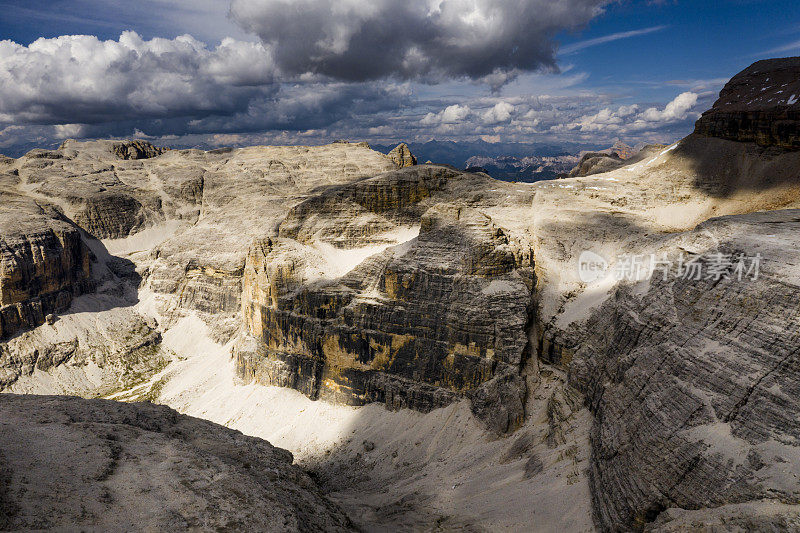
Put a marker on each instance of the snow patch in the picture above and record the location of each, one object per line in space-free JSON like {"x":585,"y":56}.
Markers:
{"x":340,"y":261}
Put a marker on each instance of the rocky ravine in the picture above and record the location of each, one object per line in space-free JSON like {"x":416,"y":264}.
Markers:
{"x":217,"y":239}
{"x":351,"y":277}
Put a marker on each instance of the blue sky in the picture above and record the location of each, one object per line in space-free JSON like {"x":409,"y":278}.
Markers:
{"x":700,"y":40}
{"x":585,"y":71}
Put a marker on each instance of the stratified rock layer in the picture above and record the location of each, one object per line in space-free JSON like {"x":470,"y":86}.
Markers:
{"x":441,"y":316}
{"x":761,"y":104}
{"x":67,"y":463}
{"x":43,"y":263}
{"x":694,"y":383}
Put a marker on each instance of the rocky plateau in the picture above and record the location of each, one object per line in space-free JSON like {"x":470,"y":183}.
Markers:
{"x":422,"y":339}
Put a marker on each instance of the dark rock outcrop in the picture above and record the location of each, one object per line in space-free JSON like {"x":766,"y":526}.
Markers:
{"x":761,"y":104}
{"x":596,"y":163}
{"x":136,"y":150}
{"x":618,"y":156}
{"x":68,"y":463}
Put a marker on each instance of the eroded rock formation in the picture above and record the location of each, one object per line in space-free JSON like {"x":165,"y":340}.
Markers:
{"x":419,"y":325}
{"x":402,"y":156}
{"x":43,"y":263}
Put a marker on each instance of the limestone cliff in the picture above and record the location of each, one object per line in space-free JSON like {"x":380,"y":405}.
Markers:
{"x":693,"y":382}
{"x":441,"y":316}
{"x":43,"y":263}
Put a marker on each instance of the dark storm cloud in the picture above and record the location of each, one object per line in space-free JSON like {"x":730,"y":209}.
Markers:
{"x":360,"y":40}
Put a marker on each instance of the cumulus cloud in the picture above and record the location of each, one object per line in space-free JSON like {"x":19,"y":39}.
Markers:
{"x":678,"y":109}
{"x":360,"y":40}
{"x":80,"y":79}
{"x":450,"y":115}
{"x":501,"y":112}
{"x":627,"y":119}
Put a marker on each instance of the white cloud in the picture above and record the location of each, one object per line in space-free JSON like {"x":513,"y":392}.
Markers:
{"x":678,"y":109}
{"x":628,"y":119}
{"x":575,"y":47}
{"x":454,"y":114}
{"x":789,"y":47}
{"x":80,"y":79}
{"x":627,"y":110}
{"x":69,"y":131}
{"x":450,"y":115}
{"x":501,"y":112}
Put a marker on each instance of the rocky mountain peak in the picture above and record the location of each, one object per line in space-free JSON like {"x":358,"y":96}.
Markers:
{"x":761,"y":104}
{"x":402,"y":156}
{"x":125,"y":149}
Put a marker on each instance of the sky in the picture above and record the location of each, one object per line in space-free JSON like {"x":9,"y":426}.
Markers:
{"x":238,"y":72}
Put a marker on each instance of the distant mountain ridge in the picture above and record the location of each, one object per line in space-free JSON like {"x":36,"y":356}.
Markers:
{"x":512,"y":161}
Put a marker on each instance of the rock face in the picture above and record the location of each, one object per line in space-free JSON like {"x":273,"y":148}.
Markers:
{"x":694,"y":383}
{"x":68,"y":463}
{"x":596,"y":163}
{"x":43,"y":263}
{"x":691,"y":381}
{"x":197,"y":211}
{"x":402,"y":156}
{"x":441,"y":316}
{"x":333,"y":273}
{"x":761,"y":104}
{"x":136,"y":150}
{"x":613,"y":158}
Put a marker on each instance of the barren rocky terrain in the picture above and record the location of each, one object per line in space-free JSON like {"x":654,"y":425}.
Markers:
{"x":420,"y":338}
{"x":123,"y":467}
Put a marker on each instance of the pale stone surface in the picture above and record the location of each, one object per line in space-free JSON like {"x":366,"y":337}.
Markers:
{"x":68,"y":463}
